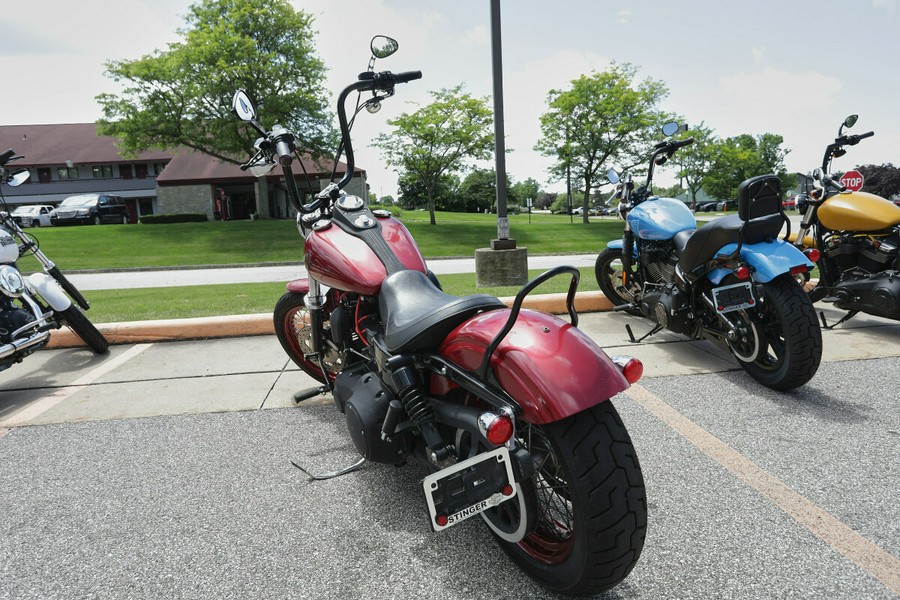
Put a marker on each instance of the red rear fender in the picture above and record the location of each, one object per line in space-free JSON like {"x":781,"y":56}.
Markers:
{"x":550,"y":368}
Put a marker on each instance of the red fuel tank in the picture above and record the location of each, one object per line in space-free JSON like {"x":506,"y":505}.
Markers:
{"x":339,"y":260}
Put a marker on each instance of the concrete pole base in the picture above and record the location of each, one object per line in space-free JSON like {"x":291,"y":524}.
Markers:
{"x":494,"y":268}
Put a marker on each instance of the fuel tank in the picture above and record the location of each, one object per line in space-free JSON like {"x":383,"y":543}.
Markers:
{"x":660,"y":219}
{"x":9,"y":249}
{"x":858,"y":211}
{"x":339,"y":260}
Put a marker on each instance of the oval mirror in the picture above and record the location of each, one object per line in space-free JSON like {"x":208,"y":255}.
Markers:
{"x":383,"y":46}
{"x":262,"y":168}
{"x":670,"y":128}
{"x":612,"y":176}
{"x":243,"y":106}
{"x":19,"y":177}
{"x":851,"y":121}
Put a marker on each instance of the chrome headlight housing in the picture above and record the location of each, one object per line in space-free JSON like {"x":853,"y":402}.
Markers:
{"x":11,"y":282}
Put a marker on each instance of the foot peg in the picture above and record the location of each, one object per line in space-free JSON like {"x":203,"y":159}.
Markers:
{"x":310,"y":393}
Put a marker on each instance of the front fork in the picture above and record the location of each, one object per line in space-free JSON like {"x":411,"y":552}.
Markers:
{"x":315,"y":304}
{"x":627,"y":251}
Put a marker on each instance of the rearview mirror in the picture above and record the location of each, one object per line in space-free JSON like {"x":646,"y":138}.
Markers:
{"x":383,"y":46}
{"x":612,"y":176}
{"x":670,"y":128}
{"x":19,"y":177}
{"x":851,"y":121}
{"x":242,"y":106}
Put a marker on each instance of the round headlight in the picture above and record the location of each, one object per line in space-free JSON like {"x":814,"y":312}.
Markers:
{"x":11,"y":282}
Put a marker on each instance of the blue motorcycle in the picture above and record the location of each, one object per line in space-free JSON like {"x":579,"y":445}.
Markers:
{"x":732,"y":281}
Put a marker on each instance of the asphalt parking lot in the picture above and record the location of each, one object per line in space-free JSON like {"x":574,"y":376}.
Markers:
{"x":164,"y":470}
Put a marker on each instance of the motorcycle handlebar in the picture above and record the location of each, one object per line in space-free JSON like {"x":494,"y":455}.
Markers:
{"x":4,"y":158}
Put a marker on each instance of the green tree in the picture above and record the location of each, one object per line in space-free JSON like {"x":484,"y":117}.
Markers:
{"x":695,"y":161}
{"x":602,"y":119}
{"x":741,"y":157}
{"x":182,"y":96}
{"x":440,"y":138}
{"x":478,"y":190}
{"x":413,"y":192}
{"x":521,"y":191}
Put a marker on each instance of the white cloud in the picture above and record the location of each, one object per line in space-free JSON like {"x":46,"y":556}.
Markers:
{"x":889,"y":6}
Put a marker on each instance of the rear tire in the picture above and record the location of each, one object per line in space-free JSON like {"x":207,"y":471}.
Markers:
{"x":789,"y":337}
{"x":84,"y":329}
{"x":591,"y":520}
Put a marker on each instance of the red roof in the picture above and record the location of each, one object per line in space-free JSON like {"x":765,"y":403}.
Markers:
{"x":54,"y":145}
{"x":49,"y":145}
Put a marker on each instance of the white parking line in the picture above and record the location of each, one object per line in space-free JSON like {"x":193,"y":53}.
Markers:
{"x":34,"y":409}
{"x":879,"y":563}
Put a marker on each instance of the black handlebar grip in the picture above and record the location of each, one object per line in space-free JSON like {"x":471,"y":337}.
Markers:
{"x":407,"y":76}
{"x":686,"y":142}
{"x":4,"y":158}
{"x":863,"y":136}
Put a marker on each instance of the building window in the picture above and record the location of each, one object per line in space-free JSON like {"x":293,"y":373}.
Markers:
{"x":103,"y":171}
{"x":158,"y":168}
{"x":44,"y":176}
{"x":140,"y":170}
{"x":67,"y":172}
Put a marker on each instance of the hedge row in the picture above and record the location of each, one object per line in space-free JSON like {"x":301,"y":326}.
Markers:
{"x":179,"y":218}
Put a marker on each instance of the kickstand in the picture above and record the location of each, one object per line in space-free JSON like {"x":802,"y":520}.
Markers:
{"x":322,"y":476}
{"x":634,"y":340}
{"x":846,"y":318}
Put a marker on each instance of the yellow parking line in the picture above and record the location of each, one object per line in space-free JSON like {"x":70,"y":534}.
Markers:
{"x":873,"y":559}
{"x":34,"y":409}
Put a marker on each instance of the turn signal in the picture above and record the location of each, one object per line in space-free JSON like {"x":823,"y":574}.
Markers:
{"x":812,"y":254}
{"x":632,"y":369}
{"x":497,"y":429}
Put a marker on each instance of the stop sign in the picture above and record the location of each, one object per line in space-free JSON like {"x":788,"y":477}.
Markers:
{"x":852,"y":180}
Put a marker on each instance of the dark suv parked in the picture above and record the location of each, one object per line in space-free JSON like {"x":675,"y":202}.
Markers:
{"x":90,"y":209}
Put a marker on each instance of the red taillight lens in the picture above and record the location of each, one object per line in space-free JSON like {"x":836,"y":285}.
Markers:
{"x":799,"y":269}
{"x":812,"y":254}
{"x":742,"y":272}
{"x":497,"y":429}
{"x":632,"y":369}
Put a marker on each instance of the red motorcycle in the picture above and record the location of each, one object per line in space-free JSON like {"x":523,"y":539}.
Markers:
{"x":507,"y":408}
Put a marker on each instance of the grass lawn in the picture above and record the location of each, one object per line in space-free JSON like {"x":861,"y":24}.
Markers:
{"x":113,"y":306}
{"x":271,"y":241}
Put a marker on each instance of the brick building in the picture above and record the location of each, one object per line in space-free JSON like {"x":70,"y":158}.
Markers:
{"x":70,"y":159}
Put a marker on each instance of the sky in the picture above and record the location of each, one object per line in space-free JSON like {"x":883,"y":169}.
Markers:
{"x":794,"y":67}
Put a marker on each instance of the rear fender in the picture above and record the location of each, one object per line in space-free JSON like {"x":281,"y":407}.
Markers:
{"x":550,"y":368}
{"x":768,"y":260}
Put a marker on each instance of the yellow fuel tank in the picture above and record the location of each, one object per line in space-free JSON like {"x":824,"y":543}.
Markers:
{"x":858,"y":211}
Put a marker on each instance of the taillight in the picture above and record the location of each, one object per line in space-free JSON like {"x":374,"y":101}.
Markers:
{"x":812,"y":254}
{"x":742,"y":272}
{"x":799,"y":269}
{"x":632,"y":369}
{"x":497,"y":429}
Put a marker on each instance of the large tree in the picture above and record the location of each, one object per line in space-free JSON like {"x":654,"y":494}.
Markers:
{"x":182,"y":96}
{"x":442,"y":137}
{"x":695,"y":161}
{"x":741,"y":157}
{"x":602,"y":120}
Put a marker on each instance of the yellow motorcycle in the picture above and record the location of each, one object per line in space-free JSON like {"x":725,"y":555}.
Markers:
{"x":853,"y":237}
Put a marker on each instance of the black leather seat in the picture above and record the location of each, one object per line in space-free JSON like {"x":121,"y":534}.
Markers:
{"x":760,"y":217}
{"x":418,"y":316}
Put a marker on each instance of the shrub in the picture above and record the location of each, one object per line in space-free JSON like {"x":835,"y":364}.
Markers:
{"x":174,"y":218}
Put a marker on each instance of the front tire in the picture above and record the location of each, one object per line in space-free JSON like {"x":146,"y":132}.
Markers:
{"x":591,"y":518}
{"x":788,"y":338}
{"x":609,"y":272}
{"x":84,"y":329}
{"x":292,"y":326}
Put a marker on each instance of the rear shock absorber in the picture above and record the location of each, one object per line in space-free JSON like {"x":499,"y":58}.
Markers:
{"x":415,"y":402}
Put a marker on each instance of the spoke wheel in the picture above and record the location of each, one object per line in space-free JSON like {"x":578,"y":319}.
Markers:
{"x":609,"y":272}
{"x":292,"y":327}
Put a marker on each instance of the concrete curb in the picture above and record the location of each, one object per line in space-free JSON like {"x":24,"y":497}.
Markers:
{"x":261,"y":324}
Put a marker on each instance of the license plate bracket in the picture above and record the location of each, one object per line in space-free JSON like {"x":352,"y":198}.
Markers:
{"x":468,"y":488}
{"x":730,"y":298}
